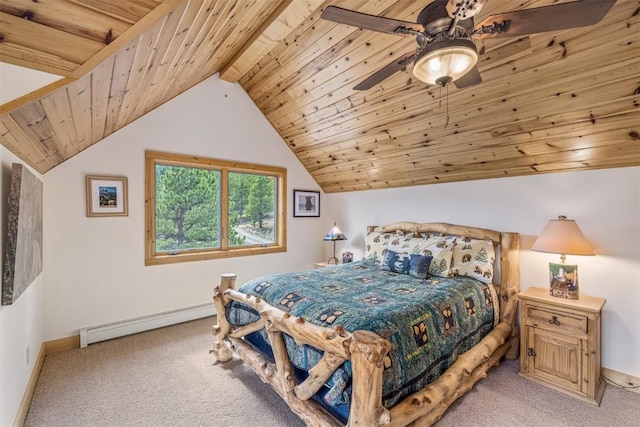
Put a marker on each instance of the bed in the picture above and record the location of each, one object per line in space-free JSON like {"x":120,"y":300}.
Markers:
{"x":332,"y":342}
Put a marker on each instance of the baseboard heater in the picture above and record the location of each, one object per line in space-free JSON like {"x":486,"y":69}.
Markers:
{"x":145,"y":323}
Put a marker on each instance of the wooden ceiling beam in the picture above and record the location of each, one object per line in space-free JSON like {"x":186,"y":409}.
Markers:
{"x":130,"y":11}
{"x":30,"y":34}
{"x":35,"y":59}
{"x":133,"y":32}
{"x":284,"y":19}
{"x":67,"y":16}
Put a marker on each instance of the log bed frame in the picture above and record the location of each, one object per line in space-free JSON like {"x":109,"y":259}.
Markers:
{"x":367,"y":350}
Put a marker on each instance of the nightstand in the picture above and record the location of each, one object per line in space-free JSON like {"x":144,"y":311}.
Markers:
{"x":323,"y":264}
{"x":560,"y":343}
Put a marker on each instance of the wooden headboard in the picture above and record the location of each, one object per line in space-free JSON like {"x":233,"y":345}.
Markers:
{"x":508,"y":247}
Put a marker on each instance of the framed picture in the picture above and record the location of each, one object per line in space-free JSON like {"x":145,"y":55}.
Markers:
{"x":23,"y":255}
{"x":306,"y":203}
{"x":106,"y":196}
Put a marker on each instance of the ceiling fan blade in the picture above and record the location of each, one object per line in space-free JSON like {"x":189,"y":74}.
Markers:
{"x":548,"y":18}
{"x":369,"y":22}
{"x":468,"y":8}
{"x":385,"y":72}
{"x":471,"y":78}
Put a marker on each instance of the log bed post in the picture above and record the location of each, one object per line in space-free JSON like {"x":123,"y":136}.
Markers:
{"x":283,"y":364}
{"x":222,"y":328}
{"x":510,"y":286}
{"x":368,"y":351}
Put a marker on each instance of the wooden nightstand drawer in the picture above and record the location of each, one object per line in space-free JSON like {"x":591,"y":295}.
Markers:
{"x":539,"y":317}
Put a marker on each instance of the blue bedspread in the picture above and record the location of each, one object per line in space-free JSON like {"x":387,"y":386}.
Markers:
{"x":429,"y":322}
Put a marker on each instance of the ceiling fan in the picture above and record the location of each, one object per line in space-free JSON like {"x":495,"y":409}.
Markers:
{"x":445,"y":31}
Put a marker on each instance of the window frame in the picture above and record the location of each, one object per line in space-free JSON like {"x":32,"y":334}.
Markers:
{"x":153,"y":158}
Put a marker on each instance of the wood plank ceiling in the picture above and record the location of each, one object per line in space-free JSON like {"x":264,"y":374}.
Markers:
{"x":557,"y":101}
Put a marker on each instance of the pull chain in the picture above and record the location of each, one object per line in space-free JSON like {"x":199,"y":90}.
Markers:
{"x":446,"y":105}
{"x":447,"y":122}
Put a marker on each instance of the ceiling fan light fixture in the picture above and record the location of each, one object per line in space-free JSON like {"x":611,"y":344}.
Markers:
{"x":445,"y":61}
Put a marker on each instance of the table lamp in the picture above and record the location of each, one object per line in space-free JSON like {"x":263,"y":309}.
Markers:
{"x":334,"y":234}
{"x":563,"y":236}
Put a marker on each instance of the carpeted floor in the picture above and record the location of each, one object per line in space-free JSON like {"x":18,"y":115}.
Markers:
{"x":167,"y":378}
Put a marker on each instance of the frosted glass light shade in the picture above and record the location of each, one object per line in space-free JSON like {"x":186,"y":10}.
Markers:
{"x":446,"y":61}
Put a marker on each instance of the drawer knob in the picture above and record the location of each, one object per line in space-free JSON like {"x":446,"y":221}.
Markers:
{"x":531,"y":352}
{"x":554,"y":321}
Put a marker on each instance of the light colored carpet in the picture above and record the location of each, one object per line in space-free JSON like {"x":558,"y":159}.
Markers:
{"x":167,"y":378}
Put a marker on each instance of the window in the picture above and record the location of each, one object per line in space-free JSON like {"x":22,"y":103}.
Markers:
{"x":199,"y":208}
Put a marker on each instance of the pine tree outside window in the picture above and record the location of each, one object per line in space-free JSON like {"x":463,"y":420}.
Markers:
{"x":200,"y":208}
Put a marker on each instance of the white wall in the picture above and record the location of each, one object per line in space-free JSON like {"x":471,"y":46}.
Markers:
{"x":95,"y":266}
{"x":22,"y":323}
{"x":604,"y":203}
{"x":18,"y":81}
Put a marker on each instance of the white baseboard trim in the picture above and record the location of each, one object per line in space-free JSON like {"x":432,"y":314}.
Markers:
{"x":145,"y":323}
{"x":619,"y":379}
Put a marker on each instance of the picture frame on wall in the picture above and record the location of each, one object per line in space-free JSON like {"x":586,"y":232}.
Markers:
{"x":106,"y":196}
{"x":306,"y":203}
{"x":23,"y":250}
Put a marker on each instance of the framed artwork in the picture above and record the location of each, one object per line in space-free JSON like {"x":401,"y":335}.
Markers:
{"x":306,"y":203}
{"x":23,"y":255}
{"x":106,"y":196}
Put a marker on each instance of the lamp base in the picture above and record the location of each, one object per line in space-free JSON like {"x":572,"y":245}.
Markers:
{"x":563,"y":281}
{"x":333,"y":260}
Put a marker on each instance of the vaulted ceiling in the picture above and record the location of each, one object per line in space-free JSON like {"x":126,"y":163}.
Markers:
{"x":556,"y":101}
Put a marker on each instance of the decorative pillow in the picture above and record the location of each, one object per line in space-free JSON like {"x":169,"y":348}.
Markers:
{"x":436,"y":247}
{"x":473,"y":257}
{"x":404,"y":263}
{"x":399,"y":241}
{"x":442,"y":254}
{"x":376,"y":243}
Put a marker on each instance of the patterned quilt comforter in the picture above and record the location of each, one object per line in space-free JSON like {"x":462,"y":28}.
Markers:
{"x":429,"y":322}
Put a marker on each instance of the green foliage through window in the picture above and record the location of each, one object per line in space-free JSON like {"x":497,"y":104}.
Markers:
{"x":252,"y":206}
{"x":187,"y":208}
{"x":191,"y":217}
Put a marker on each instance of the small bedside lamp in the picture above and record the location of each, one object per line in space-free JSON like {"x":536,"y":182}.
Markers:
{"x":563,"y":236}
{"x":334,"y":234}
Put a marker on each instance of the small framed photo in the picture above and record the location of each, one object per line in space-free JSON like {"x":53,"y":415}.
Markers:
{"x":306,"y":203}
{"x":106,"y":196}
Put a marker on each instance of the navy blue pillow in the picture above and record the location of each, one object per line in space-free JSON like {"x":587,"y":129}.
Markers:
{"x":412,"y":264}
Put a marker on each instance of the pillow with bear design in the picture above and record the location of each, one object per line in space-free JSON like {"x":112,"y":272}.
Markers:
{"x":376,"y":242}
{"x":412,"y":264}
{"x":473,"y":258}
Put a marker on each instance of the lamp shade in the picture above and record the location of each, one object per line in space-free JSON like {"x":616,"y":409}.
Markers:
{"x":335,"y":234}
{"x":445,"y":61}
{"x":562,"y":236}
